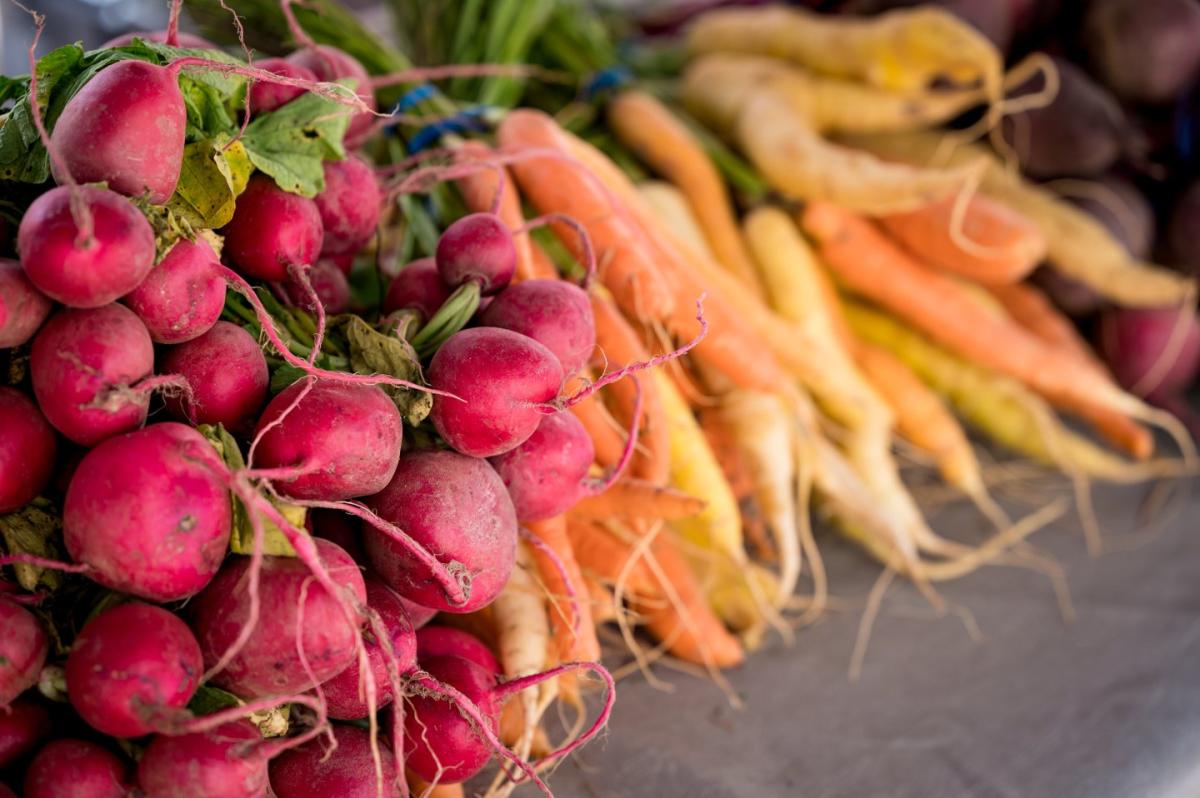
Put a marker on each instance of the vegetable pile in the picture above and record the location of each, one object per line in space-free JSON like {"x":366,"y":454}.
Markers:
{"x":345,"y":415}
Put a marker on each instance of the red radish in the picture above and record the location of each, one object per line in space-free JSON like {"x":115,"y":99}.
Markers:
{"x":22,"y":726}
{"x":226,"y":374}
{"x":555,"y":313}
{"x":340,"y":528}
{"x":227,"y":762}
{"x":85,"y":366}
{"x":23,"y":308}
{"x":446,"y":641}
{"x":504,"y":380}
{"x":269,"y":663}
{"x":341,"y":440}
{"x":439,"y":742}
{"x":419,"y":287}
{"x":85,"y":273}
{"x":76,"y":769}
{"x":1146,"y":50}
{"x":149,"y":512}
{"x":1137,"y":345}
{"x":183,"y":295}
{"x":188,"y":40}
{"x":1123,"y":210}
{"x":331,"y":64}
{"x":343,"y":693}
{"x":125,"y":127}
{"x":328,"y":282}
{"x":23,"y":648}
{"x":6,"y":791}
{"x":266,"y":97}
{"x":477,"y":248}
{"x":272,"y":230}
{"x":350,"y":205}
{"x":309,"y":770}
{"x":27,"y":450}
{"x":457,"y":509}
{"x":546,"y":474}
{"x":132,"y":668}
{"x":345,"y":263}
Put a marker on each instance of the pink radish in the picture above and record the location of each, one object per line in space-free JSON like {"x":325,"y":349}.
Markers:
{"x":546,"y":475}
{"x":331,"y":64}
{"x":23,"y":725}
{"x":188,"y":40}
{"x":419,"y":287}
{"x":478,"y":249}
{"x":23,"y":649}
{"x":266,"y":97}
{"x":555,"y":313}
{"x":76,"y":769}
{"x":350,"y":205}
{"x":27,"y":450}
{"x":328,"y":282}
{"x":226,"y":374}
{"x":349,"y":772}
{"x":272,"y":230}
{"x":23,"y":308}
{"x":183,"y":296}
{"x":446,"y":641}
{"x":227,"y":762}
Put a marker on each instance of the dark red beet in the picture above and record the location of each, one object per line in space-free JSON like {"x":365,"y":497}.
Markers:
{"x":1134,"y":341}
{"x":265,"y":96}
{"x":1145,"y":50}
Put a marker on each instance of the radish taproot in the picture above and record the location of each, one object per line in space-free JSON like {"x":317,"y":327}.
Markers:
{"x":227,"y":762}
{"x":457,"y":509}
{"x":350,"y":205}
{"x":76,"y":269}
{"x":23,"y":308}
{"x":132,"y":669}
{"x":76,"y":769}
{"x":309,"y":770}
{"x":505,"y":381}
{"x":125,"y":127}
{"x":183,"y":295}
{"x":89,"y":368}
{"x":149,"y":512}
{"x":27,"y":450}
{"x":555,"y":313}
{"x":329,"y":440}
{"x":226,"y":374}
{"x":23,"y":649}
{"x":269,"y":662}
{"x":272,"y":231}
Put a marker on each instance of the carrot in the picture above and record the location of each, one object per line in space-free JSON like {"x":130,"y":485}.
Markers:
{"x":671,"y":207}
{"x":634,"y":498}
{"x":659,"y":139}
{"x":574,"y":634}
{"x":902,"y":50}
{"x":1077,"y":244}
{"x":553,"y":184}
{"x":601,"y":428}
{"x":541,"y":266}
{"x":1031,"y":309}
{"x":606,"y":558}
{"x":479,"y":192}
{"x":422,"y":790}
{"x":869,"y":264}
{"x":991,"y":244}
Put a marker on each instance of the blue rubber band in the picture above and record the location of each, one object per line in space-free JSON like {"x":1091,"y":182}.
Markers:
{"x":414,"y":96}
{"x":607,"y":78}
{"x":461,"y":122}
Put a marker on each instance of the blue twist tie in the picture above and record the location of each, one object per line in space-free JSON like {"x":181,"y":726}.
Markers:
{"x":414,"y":96}
{"x":607,"y":78}
{"x":464,"y":120}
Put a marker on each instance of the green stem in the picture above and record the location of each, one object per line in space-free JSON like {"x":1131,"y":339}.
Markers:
{"x":454,"y":314}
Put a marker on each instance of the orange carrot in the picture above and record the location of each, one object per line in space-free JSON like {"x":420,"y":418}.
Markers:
{"x":541,"y":266}
{"x":660,"y":140}
{"x":479,"y":192}
{"x":574,"y":635}
{"x":868,"y":263}
{"x":992,"y":243}
{"x":634,"y":498}
{"x":419,"y":787}
{"x":601,"y":428}
{"x":554,"y":185}
{"x":603,"y":556}
{"x":1029,"y":308}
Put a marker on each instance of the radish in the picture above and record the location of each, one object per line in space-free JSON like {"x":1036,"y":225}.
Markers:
{"x":23,"y":308}
{"x":1146,"y":50}
{"x":149,"y":512}
{"x":266,"y":97}
{"x":546,"y":475}
{"x":272,"y":231}
{"x":131,"y":668}
{"x":22,"y":726}
{"x":87,"y":367}
{"x":76,"y":769}
{"x":79,"y":269}
{"x":329,"y":440}
{"x":1146,"y":353}
{"x":478,"y":249}
{"x":455,"y":507}
{"x":555,"y":313}
{"x":269,"y":663}
{"x":505,"y":381}
{"x":1181,"y":232}
{"x":349,"y":772}
{"x":344,"y":692}
{"x":23,"y":648}
{"x":419,"y":287}
{"x":188,"y":40}
{"x":350,"y":205}
{"x":125,"y":127}
{"x":446,"y":641}
{"x":27,"y":450}
{"x":183,"y":296}
{"x":226,"y":374}
{"x":331,"y":64}
{"x":340,"y":528}
{"x":439,"y":742}
{"x":227,"y":762}
{"x":328,"y":282}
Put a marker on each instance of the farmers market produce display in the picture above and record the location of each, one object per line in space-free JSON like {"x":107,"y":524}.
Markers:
{"x":353,"y":410}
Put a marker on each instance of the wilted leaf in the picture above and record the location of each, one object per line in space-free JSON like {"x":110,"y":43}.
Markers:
{"x":33,"y":530}
{"x":372,"y":352}
{"x":213,"y":176}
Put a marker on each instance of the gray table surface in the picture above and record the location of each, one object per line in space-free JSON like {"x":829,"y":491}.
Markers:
{"x":1105,"y":707}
